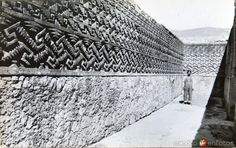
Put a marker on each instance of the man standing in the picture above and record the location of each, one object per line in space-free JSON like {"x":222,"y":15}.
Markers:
{"x":188,"y":88}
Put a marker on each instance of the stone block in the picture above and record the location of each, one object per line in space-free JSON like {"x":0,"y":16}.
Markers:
{"x":92,"y":114}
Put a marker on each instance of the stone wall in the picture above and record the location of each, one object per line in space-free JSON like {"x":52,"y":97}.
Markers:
{"x":76,"y":111}
{"x":75,"y":71}
{"x":230,"y":73}
{"x":203,"y":59}
{"x":109,"y":35}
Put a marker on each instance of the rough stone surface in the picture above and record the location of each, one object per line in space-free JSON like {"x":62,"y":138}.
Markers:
{"x":229,"y":77}
{"x":77,"y":111}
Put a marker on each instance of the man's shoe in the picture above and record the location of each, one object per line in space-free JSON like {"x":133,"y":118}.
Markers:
{"x":189,"y":103}
{"x":181,"y":101}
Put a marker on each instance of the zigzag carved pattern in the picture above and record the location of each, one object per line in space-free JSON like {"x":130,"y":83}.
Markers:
{"x":203,"y":58}
{"x":87,"y":35}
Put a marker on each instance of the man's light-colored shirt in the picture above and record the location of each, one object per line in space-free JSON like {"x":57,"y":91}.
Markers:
{"x":188,"y":82}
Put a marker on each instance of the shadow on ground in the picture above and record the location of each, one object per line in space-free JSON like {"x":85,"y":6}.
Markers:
{"x":215,"y":130}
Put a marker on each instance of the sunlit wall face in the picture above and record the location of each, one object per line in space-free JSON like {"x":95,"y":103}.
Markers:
{"x":188,"y":14}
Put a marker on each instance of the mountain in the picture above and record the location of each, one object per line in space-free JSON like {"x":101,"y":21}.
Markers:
{"x":203,"y":35}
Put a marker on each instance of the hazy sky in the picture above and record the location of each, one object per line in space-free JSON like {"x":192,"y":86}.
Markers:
{"x":188,"y":14}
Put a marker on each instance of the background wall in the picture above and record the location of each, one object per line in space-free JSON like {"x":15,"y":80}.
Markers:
{"x":203,"y":59}
{"x":205,"y":62}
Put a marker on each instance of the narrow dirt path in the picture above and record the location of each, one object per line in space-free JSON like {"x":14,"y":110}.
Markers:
{"x":173,"y":125}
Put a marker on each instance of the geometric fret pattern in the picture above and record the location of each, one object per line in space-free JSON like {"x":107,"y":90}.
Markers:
{"x":108,"y":35}
{"x":203,"y":58}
